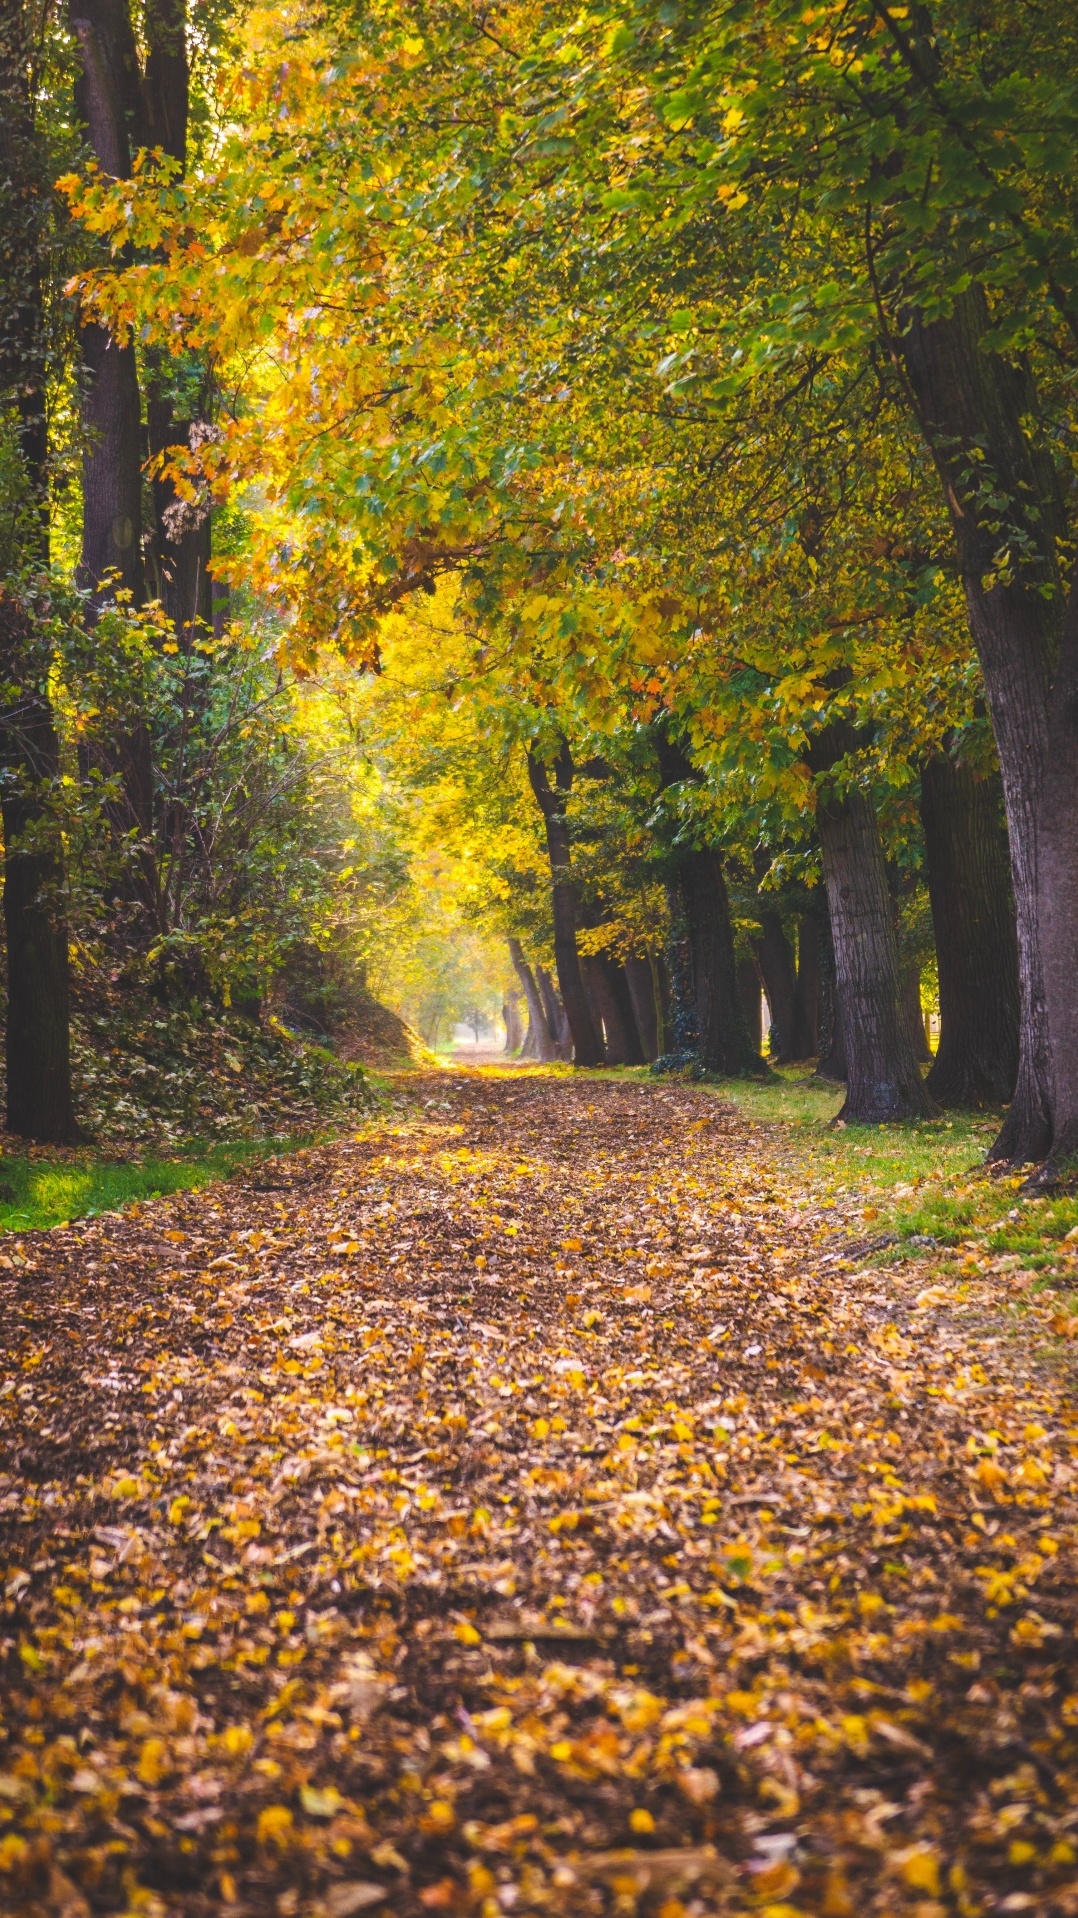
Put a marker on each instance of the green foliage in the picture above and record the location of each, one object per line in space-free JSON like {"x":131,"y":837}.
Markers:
{"x":923,"y":1187}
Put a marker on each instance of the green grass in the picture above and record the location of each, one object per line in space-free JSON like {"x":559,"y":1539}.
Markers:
{"x":38,"y":1193}
{"x":923,"y":1179}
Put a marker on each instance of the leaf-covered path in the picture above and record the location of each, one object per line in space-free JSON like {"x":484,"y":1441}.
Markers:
{"x":525,"y":1507}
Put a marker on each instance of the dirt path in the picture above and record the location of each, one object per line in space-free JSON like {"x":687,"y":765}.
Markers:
{"x":524,"y":1508}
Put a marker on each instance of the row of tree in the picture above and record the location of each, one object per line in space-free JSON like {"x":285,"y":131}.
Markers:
{"x":180,"y":816}
{"x":709,"y":382}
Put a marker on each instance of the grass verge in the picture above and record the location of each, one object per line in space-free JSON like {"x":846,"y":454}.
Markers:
{"x":38,"y":1193}
{"x":924,"y":1182}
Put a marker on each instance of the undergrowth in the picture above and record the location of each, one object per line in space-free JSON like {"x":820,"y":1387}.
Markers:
{"x":172,"y":1098}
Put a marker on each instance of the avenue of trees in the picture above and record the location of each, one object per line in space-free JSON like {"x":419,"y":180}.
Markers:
{"x":657,"y":428}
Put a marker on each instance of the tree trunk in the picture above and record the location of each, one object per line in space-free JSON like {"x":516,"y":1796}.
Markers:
{"x":39,"y":1102}
{"x":23,"y":212}
{"x":538,"y":1043}
{"x":609,"y":992}
{"x":978,"y":413}
{"x":557,"y":1023}
{"x":909,"y":979}
{"x":705,"y":958}
{"x":968,"y":870}
{"x":660,"y":973}
{"x":182,"y":528}
{"x":594,"y":995}
{"x":749,"y":992}
{"x":107,"y":100}
{"x":808,"y":985}
{"x":514,"y":1030}
{"x":831,"y":1059}
{"x":883,"y":1081}
{"x":587,"y":1047}
{"x":37,"y":1038}
{"x":781,"y":988}
{"x":642,"y":984}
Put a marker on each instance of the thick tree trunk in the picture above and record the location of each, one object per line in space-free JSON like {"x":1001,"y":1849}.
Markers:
{"x":39,"y":1101}
{"x":978,"y":413}
{"x":808,"y":985}
{"x":609,"y":994}
{"x":749,"y":993}
{"x":706,"y":1020}
{"x":707,"y":952}
{"x":909,"y":985}
{"x":107,"y":99}
{"x":780,"y":982}
{"x":660,"y":973}
{"x":37,"y":1039}
{"x":557,"y":1023}
{"x":593,"y":993}
{"x":23,"y":199}
{"x":883,"y":1081}
{"x":587,"y":1045}
{"x":683,"y":1025}
{"x":831,"y":1059}
{"x":182,"y":542}
{"x":538,"y":1043}
{"x":642,"y":983}
{"x":969,"y":884}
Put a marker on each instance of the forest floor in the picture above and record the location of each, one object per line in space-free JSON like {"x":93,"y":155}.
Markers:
{"x":538,"y":1502}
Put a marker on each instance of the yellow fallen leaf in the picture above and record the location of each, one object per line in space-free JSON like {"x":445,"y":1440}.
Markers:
{"x":153,"y":1764}
{"x":920,"y":1870}
{"x":320,"y":1804}
{"x":274,"y":1825}
{"x":776,"y":1880}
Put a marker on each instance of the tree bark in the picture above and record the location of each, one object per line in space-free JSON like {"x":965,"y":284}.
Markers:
{"x":37,"y":1036}
{"x":791,"y":1035}
{"x":709,"y":967}
{"x":978,"y":413}
{"x":749,"y":991}
{"x":587,"y":1045}
{"x":968,"y":870}
{"x":883,"y":1081}
{"x":108,"y":102}
{"x":182,"y":528}
{"x":660,"y":973}
{"x":609,"y":994}
{"x":514,"y":1030}
{"x":909,"y":980}
{"x":642,"y":983}
{"x":39,"y":1100}
{"x":831,"y":1059}
{"x":557,"y":1023}
{"x":22,"y":312}
{"x":538,"y":1042}
{"x":808,"y":984}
